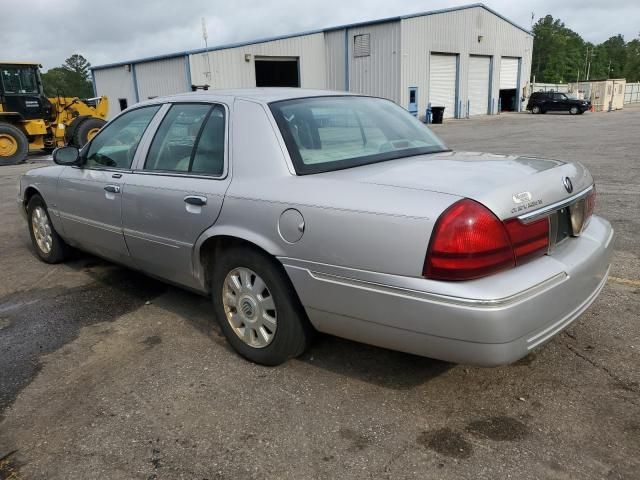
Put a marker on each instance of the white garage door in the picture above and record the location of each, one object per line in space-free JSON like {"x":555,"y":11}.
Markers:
{"x":508,"y":73}
{"x":442,"y":83}
{"x":479,"y":85}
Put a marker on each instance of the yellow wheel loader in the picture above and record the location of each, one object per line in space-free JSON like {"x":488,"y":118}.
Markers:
{"x":31,"y":121}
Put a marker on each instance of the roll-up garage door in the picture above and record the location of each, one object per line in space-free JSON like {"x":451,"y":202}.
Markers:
{"x":478,"y":85}
{"x":508,"y":73}
{"x":442,"y":83}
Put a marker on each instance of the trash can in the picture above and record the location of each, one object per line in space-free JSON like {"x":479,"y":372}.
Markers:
{"x":437,"y":114}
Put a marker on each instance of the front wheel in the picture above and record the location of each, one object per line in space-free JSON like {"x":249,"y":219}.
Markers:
{"x":535,"y":109}
{"x":87,"y":129}
{"x":574,"y":110}
{"x":48,"y":244}
{"x":256,"y":307}
{"x":14,"y":145}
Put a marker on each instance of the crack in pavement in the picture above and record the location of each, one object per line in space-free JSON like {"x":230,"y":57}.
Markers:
{"x":629,"y":386}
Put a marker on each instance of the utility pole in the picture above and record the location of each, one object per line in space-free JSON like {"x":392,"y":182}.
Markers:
{"x":609,"y":70}
{"x":586,"y":57}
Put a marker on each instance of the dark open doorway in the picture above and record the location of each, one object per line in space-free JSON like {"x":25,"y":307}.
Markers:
{"x":508,"y":100}
{"x":277,"y":72}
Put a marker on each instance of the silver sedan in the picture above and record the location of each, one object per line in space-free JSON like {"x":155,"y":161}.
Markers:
{"x":300,"y":211}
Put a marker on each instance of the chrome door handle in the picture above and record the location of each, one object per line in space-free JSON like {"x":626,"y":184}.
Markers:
{"x":197,"y":200}
{"x":112,"y":188}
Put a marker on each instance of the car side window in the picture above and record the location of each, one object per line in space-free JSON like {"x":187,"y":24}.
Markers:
{"x":189,"y":139}
{"x":116,"y":145}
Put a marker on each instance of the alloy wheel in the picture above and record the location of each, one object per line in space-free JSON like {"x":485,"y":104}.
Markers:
{"x":42,"y":230}
{"x":249,"y":307}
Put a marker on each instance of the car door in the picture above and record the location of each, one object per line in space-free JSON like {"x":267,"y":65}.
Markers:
{"x":176,"y":191}
{"x":89,"y":196}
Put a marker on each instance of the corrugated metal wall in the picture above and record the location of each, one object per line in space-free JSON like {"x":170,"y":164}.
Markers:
{"x":229,"y":69}
{"x":458,"y":32}
{"x":334,"y":42}
{"x":162,"y":77}
{"x":115,"y":83}
{"x":399,"y":59}
{"x":379,"y":73}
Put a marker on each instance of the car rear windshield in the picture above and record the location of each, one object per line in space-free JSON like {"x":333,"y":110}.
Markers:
{"x":331,"y":133}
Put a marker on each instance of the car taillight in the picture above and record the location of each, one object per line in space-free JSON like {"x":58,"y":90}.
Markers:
{"x":528,"y":240}
{"x":469,"y":241}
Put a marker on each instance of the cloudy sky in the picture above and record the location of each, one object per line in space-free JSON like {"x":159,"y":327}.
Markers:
{"x":49,"y":31}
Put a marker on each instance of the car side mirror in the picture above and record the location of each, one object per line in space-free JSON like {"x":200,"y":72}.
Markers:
{"x":66,"y":156}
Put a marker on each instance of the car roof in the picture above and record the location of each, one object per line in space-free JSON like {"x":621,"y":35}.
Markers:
{"x":261,"y":95}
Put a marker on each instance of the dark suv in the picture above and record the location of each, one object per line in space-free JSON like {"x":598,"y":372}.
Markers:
{"x":543,"y":102}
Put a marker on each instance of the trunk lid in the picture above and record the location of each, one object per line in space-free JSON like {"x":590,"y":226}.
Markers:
{"x":509,"y":185}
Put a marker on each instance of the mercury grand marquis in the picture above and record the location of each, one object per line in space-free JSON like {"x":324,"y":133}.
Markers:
{"x":300,"y":211}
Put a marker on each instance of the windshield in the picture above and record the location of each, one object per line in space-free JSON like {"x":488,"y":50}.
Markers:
{"x":19,"y":79}
{"x":330,"y":133}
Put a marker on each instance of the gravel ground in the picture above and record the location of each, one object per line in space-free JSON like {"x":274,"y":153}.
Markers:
{"x":108,"y":374}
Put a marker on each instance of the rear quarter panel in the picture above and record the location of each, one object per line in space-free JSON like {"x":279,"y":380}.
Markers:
{"x":362,"y":226}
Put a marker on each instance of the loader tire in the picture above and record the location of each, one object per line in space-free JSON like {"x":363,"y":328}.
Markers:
{"x":14,"y":145}
{"x":86,"y":131}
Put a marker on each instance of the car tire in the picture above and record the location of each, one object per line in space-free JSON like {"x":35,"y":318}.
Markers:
{"x":86,"y":131}
{"x":240,"y":306}
{"x":46,"y":241}
{"x":14,"y":145}
{"x":574,"y":110}
{"x":535,"y":109}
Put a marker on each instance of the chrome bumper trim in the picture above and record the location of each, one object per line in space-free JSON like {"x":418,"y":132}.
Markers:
{"x":530,"y":216}
{"x":434,"y":297}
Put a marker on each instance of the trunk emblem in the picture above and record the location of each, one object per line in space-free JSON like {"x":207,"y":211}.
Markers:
{"x":522,"y":197}
{"x":568,"y":186}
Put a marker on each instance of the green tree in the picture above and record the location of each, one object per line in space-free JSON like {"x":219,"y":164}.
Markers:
{"x":632,"y":63}
{"x":69,"y":80}
{"x":557,"y":52}
{"x":77,"y":63}
{"x":561,"y":55}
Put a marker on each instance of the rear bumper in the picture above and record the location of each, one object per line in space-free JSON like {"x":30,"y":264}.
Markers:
{"x":490,"y":321}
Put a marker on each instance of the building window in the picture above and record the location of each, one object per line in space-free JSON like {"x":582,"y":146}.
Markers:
{"x":361,"y":45}
{"x":123,"y":103}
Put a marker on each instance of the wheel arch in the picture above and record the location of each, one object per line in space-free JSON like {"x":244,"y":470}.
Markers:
{"x":29,"y":192}
{"x":213,"y":241}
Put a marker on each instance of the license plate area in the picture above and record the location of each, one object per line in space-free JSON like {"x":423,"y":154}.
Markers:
{"x":566,"y":222}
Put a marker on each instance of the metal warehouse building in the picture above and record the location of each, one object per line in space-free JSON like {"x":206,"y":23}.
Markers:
{"x":469,"y":59}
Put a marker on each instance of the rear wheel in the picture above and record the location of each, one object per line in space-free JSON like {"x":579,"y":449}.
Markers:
{"x":535,"y":109}
{"x":87,"y":129}
{"x":14,"y":145}
{"x":48,"y":244}
{"x":256,"y":307}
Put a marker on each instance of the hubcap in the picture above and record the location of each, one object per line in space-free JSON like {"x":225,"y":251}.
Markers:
{"x":41,"y":229}
{"x":8,"y":145}
{"x":92,"y":133}
{"x":249,"y":307}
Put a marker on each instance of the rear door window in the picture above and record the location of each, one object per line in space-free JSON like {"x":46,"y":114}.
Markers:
{"x":190,"y":139}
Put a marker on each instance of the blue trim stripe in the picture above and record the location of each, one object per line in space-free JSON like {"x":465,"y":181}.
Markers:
{"x":187,"y":72}
{"x":135,"y":82}
{"x":311,"y":32}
